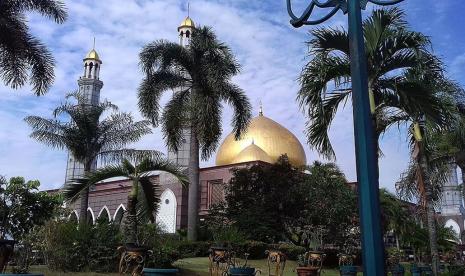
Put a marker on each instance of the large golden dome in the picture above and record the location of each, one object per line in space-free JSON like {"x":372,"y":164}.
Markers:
{"x":264,"y":140}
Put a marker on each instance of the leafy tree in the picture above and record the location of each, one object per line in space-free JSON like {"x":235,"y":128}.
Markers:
{"x":288,"y":204}
{"x":261,"y":198}
{"x":22,"y":207}
{"x":391,"y":49}
{"x":330,"y":208}
{"x":88,"y":134}
{"x":200,"y":74}
{"x":21,"y":54}
{"x":144,"y":197}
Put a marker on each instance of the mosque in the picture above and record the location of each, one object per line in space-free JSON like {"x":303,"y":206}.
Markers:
{"x":264,"y":142}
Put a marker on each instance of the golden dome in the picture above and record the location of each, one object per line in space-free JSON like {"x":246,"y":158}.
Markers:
{"x":188,"y":22}
{"x":92,"y":55}
{"x":267,"y":135}
{"x":252,"y":153}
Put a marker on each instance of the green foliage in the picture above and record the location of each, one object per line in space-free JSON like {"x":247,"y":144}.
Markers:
{"x":84,"y":248}
{"x":23,"y":206}
{"x":292,"y":251}
{"x":23,"y":56}
{"x":393,"y":51}
{"x":278,"y":202}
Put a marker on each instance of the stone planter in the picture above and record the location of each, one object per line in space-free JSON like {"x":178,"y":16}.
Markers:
{"x":348,"y":270}
{"x":132,"y":258}
{"x":242,"y":271}
{"x":6,"y":249}
{"x":307,"y":271}
{"x":160,"y":271}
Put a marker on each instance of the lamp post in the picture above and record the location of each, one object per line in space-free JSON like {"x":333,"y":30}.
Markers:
{"x":367,"y":178}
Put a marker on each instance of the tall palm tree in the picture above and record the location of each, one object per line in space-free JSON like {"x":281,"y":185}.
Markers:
{"x":87,"y":133}
{"x":429,"y":170}
{"x":391,"y":48}
{"x":21,"y":54}
{"x":200,"y":75}
{"x":137,"y":166}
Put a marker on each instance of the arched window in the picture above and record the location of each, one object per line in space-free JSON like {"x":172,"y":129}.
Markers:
{"x":85,"y":69}
{"x":104,"y":214}
{"x":91,"y":65}
{"x":119,"y":214}
{"x":188,"y":34}
{"x":73,"y":217}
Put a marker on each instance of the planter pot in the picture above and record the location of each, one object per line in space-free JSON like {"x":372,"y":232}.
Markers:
{"x":6,"y":249}
{"x":160,"y":271}
{"x":348,"y":270}
{"x":398,"y":270}
{"x":242,"y":271}
{"x":307,"y":271}
{"x":132,"y":258}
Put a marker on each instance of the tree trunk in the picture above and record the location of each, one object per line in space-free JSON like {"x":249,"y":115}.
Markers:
{"x":84,"y":198}
{"x":132,"y":212}
{"x":430,"y":213}
{"x":193,"y":204}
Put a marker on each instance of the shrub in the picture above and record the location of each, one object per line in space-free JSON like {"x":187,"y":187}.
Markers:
{"x":70,"y":248}
{"x":189,"y":249}
{"x":292,"y":251}
{"x":256,"y":249}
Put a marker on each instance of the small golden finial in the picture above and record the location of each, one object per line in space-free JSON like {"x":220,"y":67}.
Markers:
{"x":260,"y":111}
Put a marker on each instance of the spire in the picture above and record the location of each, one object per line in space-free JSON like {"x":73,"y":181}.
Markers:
{"x":188,"y":9}
{"x":260,"y":111}
{"x":93,"y":47}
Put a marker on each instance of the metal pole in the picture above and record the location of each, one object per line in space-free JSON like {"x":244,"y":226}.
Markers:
{"x":365,"y":147}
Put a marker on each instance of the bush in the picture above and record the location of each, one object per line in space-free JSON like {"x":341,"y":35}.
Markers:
{"x":292,"y":251}
{"x":70,"y":248}
{"x":189,"y":249}
{"x":256,"y":249}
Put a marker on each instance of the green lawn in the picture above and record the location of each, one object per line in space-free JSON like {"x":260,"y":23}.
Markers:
{"x":199,"y":266}
{"x":195,"y":266}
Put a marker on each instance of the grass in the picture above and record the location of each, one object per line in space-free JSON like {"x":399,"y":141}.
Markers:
{"x":199,"y":267}
{"x":189,"y":267}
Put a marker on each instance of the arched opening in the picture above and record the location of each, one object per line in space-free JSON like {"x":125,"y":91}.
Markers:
{"x":96,"y":71}
{"x":91,"y":65}
{"x":90,"y":216}
{"x":454,"y":226}
{"x":104,"y":214}
{"x":85,"y":69}
{"x":119,"y":214}
{"x":166,"y":216}
{"x":188,"y":34}
{"x":73,"y":217}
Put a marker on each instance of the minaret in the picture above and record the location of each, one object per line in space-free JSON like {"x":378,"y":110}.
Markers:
{"x":181,"y":157}
{"x":451,"y":201}
{"x":89,"y":86}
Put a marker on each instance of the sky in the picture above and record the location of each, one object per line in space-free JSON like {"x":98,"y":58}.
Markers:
{"x":271,"y":52}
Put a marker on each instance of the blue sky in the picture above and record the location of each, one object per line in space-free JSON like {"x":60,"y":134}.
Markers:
{"x":271,"y":52}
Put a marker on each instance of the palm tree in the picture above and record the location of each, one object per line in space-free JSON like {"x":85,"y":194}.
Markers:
{"x":21,"y":54}
{"x":391,"y":49}
{"x":201,"y":75}
{"x":86,"y":135}
{"x":135,"y":165}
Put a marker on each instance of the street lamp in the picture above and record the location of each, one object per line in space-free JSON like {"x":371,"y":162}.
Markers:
{"x":365,"y":148}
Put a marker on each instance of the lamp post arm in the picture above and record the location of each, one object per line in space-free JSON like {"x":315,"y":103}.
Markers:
{"x":303,"y":19}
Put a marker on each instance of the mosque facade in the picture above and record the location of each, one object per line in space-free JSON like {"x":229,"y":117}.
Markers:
{"x":264,"y":142}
